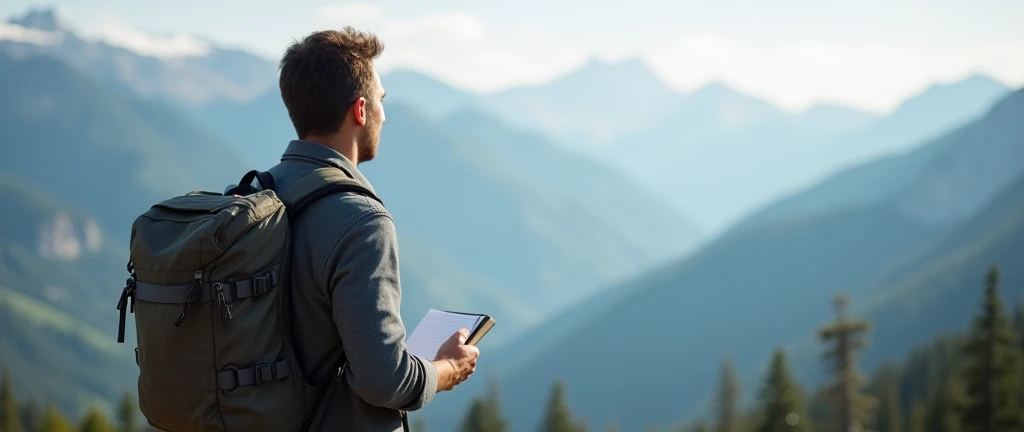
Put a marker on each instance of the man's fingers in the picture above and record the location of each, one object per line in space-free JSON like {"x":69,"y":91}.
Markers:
{"x":473,"y":351}
{"x":463,"y":334}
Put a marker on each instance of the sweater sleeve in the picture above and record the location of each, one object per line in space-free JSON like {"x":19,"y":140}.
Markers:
{"x":360,"y":274}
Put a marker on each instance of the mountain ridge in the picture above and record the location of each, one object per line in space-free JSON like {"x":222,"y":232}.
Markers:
{"x":788,"y":264}
{"x":218,"y":74}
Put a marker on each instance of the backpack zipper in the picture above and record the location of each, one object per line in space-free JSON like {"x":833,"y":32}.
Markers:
{"x":222,"y":301}
{"x":198,"y":283}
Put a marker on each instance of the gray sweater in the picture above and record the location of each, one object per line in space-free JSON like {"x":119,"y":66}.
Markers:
{"x":346,"y":299}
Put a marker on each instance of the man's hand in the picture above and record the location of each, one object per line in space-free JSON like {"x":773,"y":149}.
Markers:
{"x":455,"y":361}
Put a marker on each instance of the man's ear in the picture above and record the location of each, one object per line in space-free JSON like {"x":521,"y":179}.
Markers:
{"x":359,"y":111}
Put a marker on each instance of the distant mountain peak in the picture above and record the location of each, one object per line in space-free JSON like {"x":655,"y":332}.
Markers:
{"x":714,"y":88}
{"x":973,"y":81}
{"x":977,"y":89}
{"x":830,"y":108}
{"x":630,"y":70}
{"x":980,"y":78}
{"x":45,"y":19}
{"x":628,"y":65}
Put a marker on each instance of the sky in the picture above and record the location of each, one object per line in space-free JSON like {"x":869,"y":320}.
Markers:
{"x":869,"y":54}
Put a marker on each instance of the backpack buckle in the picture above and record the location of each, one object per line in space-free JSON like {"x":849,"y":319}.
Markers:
{"x":261,"y":284}
{"x":265,"y":373}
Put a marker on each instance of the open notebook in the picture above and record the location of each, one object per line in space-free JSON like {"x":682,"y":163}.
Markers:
{"x":437,"y":326}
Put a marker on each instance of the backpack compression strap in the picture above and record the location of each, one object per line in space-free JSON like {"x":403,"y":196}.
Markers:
{"x":318,"y":184}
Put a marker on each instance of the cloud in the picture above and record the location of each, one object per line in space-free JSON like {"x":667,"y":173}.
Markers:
{"x":446,"y":27}
{"x":164,"y":47}
{"x":355,"y":12}
{"x":460,"y":48}
{"x":455,"y":27}
{"x":17,"y":33}
{"x":455,"y":46}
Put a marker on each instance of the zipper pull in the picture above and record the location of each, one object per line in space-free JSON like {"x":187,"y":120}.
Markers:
{"x":222,"y":301}
{"x":198,"y":283}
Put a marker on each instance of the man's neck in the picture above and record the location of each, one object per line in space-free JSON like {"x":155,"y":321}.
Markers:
{"x":342,"y":143}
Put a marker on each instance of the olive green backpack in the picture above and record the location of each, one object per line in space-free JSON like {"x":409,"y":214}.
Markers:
{"x":209,"y":288}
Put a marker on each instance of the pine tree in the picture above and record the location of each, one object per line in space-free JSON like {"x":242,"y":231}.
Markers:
{"x":818,"y":410}
{"x":1018,"y":321}
{"x":890,"y":416}
{"x":782,"y":406}
{"x":887,"y":385}
{"x":750,"y":419}
{"x":929,"y":367}
{"x":728,"y":394}
{"x":95,"y":421}
{"x":853,"y":408}
{"x":485,"y":413}
{"x":916,"y":421}
{"x":993,"y":372}
{"x":10,"y":415}
{"x":31,"y":415}
{"x":54,"y":421}
{"x":127,"y":414}
{"x":1018,"y":326}
{"x":992,"y":376}
{"x":474,"y":417}
{"x":945,"y":410}
{"x":558,"y":416}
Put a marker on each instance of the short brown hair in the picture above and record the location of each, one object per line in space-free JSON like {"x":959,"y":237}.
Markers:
{"x":322,"y":75}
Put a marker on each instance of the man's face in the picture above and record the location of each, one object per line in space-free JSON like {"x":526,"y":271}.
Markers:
{"x":374,"y":119}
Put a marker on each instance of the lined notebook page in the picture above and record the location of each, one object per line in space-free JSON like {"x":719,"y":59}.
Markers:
{"x":435,"y":328}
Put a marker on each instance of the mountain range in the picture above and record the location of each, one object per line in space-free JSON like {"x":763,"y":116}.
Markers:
{"x":624,"y":252}
{"x":718,"y":155}
{"x":210,"y":74}
{"x":112,"y":154}
{"x":916,"y":252}
{"x":102,"y":151}
{"x":713,"y":154}
{"x":59,"y":276}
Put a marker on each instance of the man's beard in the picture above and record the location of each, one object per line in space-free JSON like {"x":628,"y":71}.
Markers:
{"x":368,"y":141}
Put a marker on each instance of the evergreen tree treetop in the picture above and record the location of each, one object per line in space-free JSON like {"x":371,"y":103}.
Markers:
{"x":781,"y":402}
{"x":993,"y":374}
{"x":95,"y":421}
{"x":127,"y":414}
{"x":10,"y":414}
{"x":54,"y":421}
{"x":728,"y":399}
{"x":557,"y":415}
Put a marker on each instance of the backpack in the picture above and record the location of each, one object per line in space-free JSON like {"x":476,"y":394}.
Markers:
{"x":209,"y":290}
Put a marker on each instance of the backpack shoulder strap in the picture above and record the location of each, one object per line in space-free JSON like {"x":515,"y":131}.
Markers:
{"x":318,"y":184}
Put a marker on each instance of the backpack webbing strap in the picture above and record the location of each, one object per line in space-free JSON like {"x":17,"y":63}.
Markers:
{"x":318,"y":184}
{"x":236,"y":290}
{"x":259,"y":374}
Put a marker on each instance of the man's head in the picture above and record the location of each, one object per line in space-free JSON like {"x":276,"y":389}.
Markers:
{"x":331,"y":90}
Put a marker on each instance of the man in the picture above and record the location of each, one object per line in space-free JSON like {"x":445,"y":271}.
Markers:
{"x":347,"y":293}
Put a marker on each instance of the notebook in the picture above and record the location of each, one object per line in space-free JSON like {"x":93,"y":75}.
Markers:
{"x":437,"y":326}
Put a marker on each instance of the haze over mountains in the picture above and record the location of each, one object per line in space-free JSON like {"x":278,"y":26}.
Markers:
{"x":746,"y":151}
{"x":202,"y":75}
{"x":576,"y":222}
{"x":905,"y":252}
